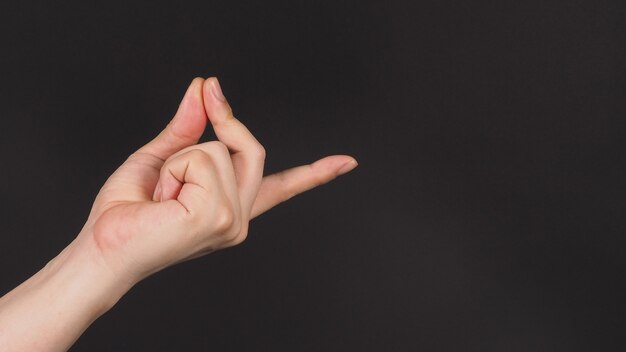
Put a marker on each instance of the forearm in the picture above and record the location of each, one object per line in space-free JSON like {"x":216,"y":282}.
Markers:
{"x":49,"y":311}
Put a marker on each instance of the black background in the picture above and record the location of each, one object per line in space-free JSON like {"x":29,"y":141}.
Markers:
{"x":487,"y":212}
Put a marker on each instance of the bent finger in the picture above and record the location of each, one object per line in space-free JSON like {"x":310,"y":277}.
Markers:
{"x":248,"y":155}
{"x":191,"y":178}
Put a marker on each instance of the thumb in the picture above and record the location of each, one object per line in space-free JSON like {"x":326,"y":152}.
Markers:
{"x":186,"y":127}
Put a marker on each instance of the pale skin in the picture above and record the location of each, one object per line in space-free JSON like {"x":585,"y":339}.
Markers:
{"x":170,"y":201}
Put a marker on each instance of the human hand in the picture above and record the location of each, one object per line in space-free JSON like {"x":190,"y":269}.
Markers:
{"x":170,"y":201}
{"x":174,"y":199}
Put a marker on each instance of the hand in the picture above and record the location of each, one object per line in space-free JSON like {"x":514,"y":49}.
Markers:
{"x":171,"y":201}
{"x":174,"y":199}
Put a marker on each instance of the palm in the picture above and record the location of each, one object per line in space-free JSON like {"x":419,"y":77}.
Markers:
{"x":124,"y":209}
{"x":129,"y":190}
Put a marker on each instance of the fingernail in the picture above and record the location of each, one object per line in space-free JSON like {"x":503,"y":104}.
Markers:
{"x":217,"y":91}
{"x":347,"y":167}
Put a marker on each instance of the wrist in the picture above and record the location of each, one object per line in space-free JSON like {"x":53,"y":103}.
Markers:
{"x":50,"y":310}
{"x":80,"y":272}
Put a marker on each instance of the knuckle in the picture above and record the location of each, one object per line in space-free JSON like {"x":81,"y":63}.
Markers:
{"x":224,"y":218}
{"x":219,"y":146}
{"x":260,"y":152}
{"x":241,"y":236}
{"x":236,"y":228}
{"x":199,"y":157}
